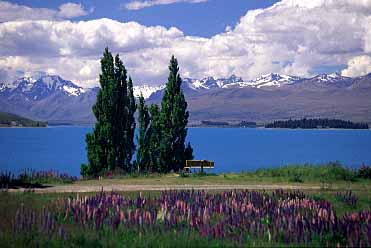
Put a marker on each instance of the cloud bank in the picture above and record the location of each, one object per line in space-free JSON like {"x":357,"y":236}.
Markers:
{"x":291,"y":37}
{"x":136,"y":5}
{"x":16,"y":12}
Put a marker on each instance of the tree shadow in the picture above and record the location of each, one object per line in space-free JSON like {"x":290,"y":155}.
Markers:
{"x":22,"y":185}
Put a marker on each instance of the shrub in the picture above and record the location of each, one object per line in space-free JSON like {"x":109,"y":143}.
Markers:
{"x":364,"y":172}
{"x":332,"y":171}
{"x":84,"y":170}
{"x":184,"y":174}
{"x":296,"y":178}
{"x":336,"y":171}
{"x":31,"y":178}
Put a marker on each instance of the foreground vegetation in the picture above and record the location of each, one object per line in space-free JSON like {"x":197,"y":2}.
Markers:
{"x":186,"y":219}
{"x":336,"y":214}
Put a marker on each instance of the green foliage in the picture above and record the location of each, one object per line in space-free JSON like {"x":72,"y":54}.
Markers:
{"x":332,"y":171}
{"x":315,"y":123}
{"x":143,"y":153}
{"x":162,"y":132}
{"x":111,"y":144}
{"x":364,"y":172}
{"x":296,"y":178}
{"x":188,"y":153}
{"x":130,"y":123}
{"x":154,"y":138}
{"x":173,"y":122}
{"x":84,"y":170}
{"x":29,"y":178}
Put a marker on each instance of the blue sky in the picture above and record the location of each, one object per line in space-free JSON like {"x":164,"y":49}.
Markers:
{"x":202,"y":19}
{"x":217,"y":38}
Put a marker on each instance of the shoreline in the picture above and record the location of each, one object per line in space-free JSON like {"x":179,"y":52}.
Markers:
{"x":22,"y":127}
{"x":211,"y":127}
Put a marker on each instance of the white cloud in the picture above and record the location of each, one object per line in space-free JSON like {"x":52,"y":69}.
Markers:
{"x":71,"y":10}
{"x":358,"y":66}
{"x":15,"y":12}
{"x":135,"y":5}
{"x":291,"y":37}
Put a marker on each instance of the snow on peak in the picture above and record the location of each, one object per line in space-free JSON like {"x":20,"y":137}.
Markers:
{"x":266,"y":80}
{"x":146,"y":90}
{"x":330,"y":78}
{"x":273,"y":79}
{"x":211,"y":83}
{"x":53,"y":82}
{"x":73,"y":91}
{"x":205,"y":83}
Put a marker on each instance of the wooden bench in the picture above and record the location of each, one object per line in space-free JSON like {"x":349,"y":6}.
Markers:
{"x":198,"y":164}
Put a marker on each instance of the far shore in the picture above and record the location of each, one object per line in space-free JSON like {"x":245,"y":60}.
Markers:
{"x":192,"y":126}
{"x":23,"y":127}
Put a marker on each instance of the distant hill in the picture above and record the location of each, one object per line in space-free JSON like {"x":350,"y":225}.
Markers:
{"x":317,"y":123}
{"x":11,"y":120}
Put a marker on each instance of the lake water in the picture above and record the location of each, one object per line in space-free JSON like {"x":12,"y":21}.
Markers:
{"x":233,"y":150}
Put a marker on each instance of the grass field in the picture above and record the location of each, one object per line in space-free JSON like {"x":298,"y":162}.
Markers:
{"x":320,"y":184}
{"x":11,"y":203}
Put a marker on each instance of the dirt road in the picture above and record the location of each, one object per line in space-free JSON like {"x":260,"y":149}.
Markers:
{"x":122,"y":187}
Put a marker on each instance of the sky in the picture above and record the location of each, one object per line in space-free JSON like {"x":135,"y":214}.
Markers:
{"x":218,"y":38}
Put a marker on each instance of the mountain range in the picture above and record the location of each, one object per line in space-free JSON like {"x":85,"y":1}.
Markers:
{"x":266,"y":98}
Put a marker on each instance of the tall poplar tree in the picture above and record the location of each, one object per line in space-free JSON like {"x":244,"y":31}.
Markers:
{"x":121,"y":114}
{"x":173,"y":121}
{"x":143,"y":138}
{"x":111,"y":143}
{"x":155,"y":138}
{"x":131,"y":124}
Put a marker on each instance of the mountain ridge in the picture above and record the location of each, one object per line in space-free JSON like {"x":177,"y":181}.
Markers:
{"x":51,"y":97}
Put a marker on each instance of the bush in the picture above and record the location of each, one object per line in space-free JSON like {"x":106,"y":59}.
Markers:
{"x":364,"y":172}
{"x":332,"y":171}
{"x":33,"y":178}
{"x":6,"y":177}
{"x":184,"y":174}
{"x":336,"y":171}
{"x":296,"y":178}
{"x":84,"y":170}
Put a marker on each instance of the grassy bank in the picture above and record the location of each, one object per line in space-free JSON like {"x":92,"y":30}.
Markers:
{"x":327,"y":176}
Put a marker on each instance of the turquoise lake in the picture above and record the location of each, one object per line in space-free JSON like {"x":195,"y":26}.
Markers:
{"x":232,"y":149}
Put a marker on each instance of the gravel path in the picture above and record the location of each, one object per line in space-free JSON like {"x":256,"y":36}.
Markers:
{"x":128,"y":188}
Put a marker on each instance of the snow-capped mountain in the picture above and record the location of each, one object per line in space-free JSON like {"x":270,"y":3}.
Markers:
{"x":52,"y":98}
{"x":273,"y":80}
{"x":48,"y":97}
{"x":331,"y":78}
{"x":268,"y":80}
{"x":38,"y":89}
{"x":211,"y":83}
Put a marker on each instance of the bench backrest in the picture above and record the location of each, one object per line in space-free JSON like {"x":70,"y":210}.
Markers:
{"x":197,"y":164}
